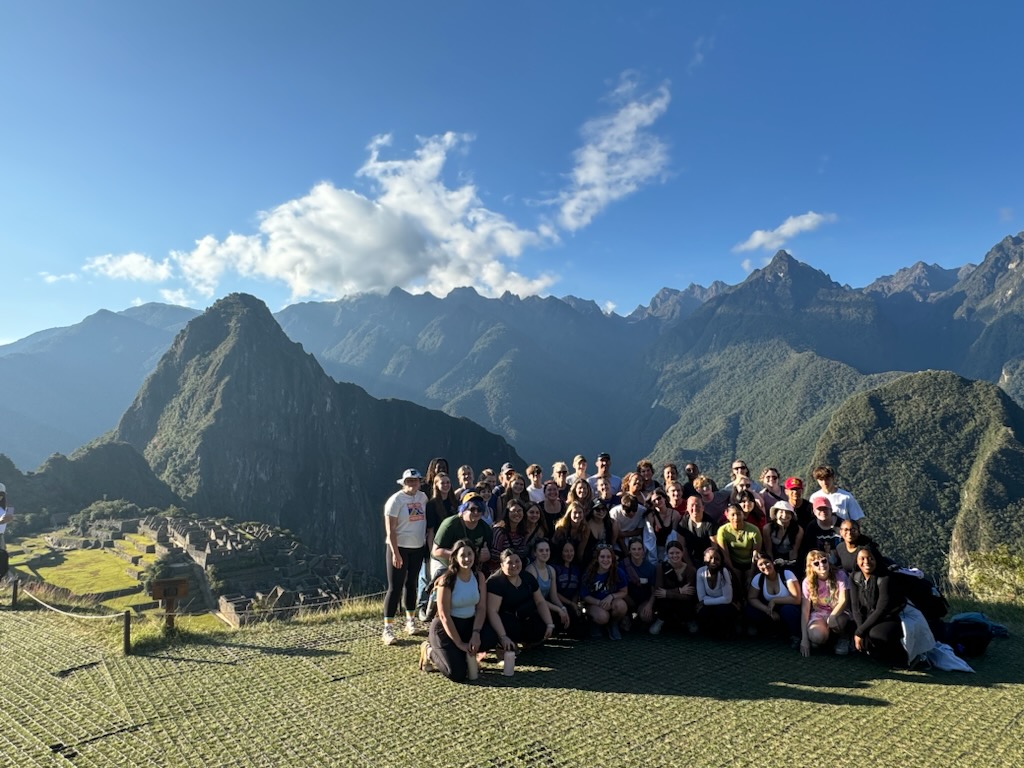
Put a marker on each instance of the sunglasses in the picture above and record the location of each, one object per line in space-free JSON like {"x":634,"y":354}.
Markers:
{"x":476,"y":509}
{"x":819,"y":563}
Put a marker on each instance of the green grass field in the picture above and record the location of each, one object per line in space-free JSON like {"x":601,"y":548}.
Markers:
{"x":325,"y":691}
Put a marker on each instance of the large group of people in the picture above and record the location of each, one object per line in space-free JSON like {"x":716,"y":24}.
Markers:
{"x":501,"y":561}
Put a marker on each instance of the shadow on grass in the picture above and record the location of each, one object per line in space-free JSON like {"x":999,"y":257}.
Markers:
{"x":157,"y":645}
{"x":740,"y":669}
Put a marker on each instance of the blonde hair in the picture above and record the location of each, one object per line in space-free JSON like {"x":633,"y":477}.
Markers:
{"x":812,"y":580}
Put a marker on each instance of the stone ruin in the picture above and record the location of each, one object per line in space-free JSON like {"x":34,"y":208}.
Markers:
{"x":252,"y":571}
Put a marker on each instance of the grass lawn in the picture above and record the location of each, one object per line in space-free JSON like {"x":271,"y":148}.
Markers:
{"x":83,"y":571}
{"x":327,"y":692}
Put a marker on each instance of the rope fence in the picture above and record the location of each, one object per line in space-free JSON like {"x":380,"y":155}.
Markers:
{"x":126,"y":617}
{"x":336,"y":602}
{"x":19,"y":588}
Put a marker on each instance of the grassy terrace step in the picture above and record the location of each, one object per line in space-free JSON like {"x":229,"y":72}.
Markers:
{"x":327,"y":692}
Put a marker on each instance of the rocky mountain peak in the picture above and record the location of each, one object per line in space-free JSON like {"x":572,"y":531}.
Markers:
{"x":921,"y":281}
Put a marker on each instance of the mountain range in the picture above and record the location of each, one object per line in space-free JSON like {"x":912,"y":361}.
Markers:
{"x":758,"y":370}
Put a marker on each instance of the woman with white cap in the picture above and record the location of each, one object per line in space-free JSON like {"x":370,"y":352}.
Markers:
{"x":782,"y":536}
{"x":405,"y":524}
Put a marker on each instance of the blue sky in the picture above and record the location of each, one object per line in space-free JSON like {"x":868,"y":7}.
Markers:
{"x":303,"y":151}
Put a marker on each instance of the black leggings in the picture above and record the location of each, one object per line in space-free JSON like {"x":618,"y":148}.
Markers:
{"x":444,"y":653}
{"x":405,"y":578}
{"x":526,"y":629}
{"x":884,"y":641}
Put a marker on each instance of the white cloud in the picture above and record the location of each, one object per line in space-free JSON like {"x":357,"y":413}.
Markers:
{"x":608,"y":307}
{"x":748,"y":266}
{"x":130,"y":266}
{"x":414,"y":228}
{"x":178,"y":296}
{"x":618,"y":155}
{"x":49,"y":279}
{"x":773,"y":239}
{"x":417,"y":233}
{"x":701,"y":47}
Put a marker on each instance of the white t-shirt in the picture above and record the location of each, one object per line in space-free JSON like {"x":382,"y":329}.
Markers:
{"x":843,"y":504}
{"x":628,"y":525}
{"x":410,"y":513}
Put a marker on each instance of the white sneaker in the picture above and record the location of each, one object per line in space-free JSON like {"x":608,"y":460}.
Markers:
{"x":410,"y":626}
{"x":388,"y":636}
{"x":655,"y":628}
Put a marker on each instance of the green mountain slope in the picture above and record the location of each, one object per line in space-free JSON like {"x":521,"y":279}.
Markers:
{"x":935,"y":461}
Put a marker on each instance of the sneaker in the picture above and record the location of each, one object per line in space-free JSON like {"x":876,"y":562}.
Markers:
{"x":422,"y":615}
{"x":595,"y":631}
{"x":410,"y":626}
{"x":751,"y":630}
{"x":613,"y":632}
{"x":426,"y":665}
{"x":389,"y":636}
{"x":794,"y":642}
{"x":655,"y":628}
{"x":692,"y":628}
{"x":627,"y":622}
{"x":842,"y":646}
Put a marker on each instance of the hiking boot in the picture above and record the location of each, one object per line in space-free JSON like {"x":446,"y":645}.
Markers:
{"x":655,"y":628}
{"x":613,"y":632}
{"x":842,"y":646}
{"x":410,"y":626}
{"x":388,"y":635}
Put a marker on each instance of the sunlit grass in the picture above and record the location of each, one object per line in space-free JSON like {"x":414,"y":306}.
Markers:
{"x":84,"y":571}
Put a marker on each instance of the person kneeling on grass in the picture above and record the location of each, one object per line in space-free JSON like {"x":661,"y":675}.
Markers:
{"x":516,"y":612}
{"x":823,"y":608}
{"x":461,"y":612}
{"x":641,"y":575}
{"x":603,"y":591}
{"x":773,"y":601}
{"x":877,"y":602}
{"x":717,"y":611}
{"x":675,"y":591}
{"x":547,"y":580}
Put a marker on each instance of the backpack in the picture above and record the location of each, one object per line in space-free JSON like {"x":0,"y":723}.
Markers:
{"x":968,"y":637}
{"x":922,"y":593}
{"x":4,"y":562}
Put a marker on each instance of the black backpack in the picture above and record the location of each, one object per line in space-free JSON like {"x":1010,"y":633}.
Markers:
{"x":967,"y":637}
{"x":923,"y":594}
